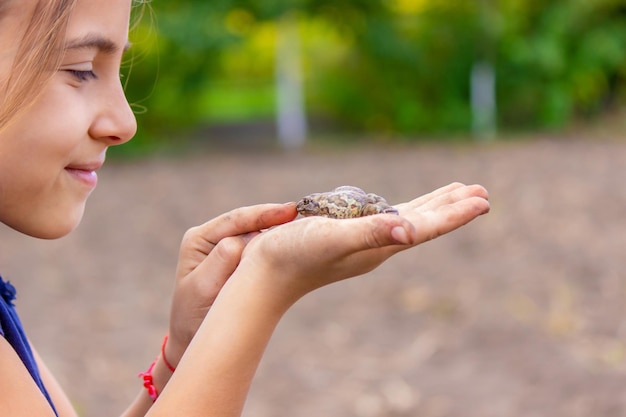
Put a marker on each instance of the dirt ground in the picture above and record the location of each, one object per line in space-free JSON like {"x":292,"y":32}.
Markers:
{"x":520,"y":314}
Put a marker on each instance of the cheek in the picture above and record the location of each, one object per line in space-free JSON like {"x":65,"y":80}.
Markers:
{"x":39,"y":203}
{"x":35,"y":198}
{"x":62,"y":114}
{"x":29,"y":153}
{"x":52,"y":128}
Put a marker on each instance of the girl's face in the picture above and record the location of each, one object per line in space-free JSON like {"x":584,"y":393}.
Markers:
{"x":50,"y":152}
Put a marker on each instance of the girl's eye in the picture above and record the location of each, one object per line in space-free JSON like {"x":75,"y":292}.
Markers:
{"x":81,"y":75}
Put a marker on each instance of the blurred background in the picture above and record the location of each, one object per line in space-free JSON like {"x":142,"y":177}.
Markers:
{"x":401,"y":69}
{"x":521,"y":313}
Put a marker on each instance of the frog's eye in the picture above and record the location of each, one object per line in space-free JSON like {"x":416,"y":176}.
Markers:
{"x":306,"y":201}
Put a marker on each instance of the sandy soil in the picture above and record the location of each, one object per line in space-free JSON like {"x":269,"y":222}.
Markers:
{"x":522,"y":313}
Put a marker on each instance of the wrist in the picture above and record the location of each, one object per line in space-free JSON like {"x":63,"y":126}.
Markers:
{"x":172,"y":349}
{"x":171,"y":365}
{"x":278,"y":289}
{"x":158,"y":374}
{"x":218,"y":365}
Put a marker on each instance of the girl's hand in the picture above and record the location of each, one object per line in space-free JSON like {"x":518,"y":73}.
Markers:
{"x":208,"y":256}
{"x":312,"y":252}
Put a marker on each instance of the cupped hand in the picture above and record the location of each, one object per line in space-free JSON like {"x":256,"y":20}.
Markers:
{"x":309,"y":253}
{"x":208,"y":256}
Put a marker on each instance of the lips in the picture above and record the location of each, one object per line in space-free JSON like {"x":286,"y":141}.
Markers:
{"x":85,"y":173}
{"x":93,"y":166}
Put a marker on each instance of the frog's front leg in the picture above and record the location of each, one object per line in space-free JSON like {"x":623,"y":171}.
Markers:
{"x":379,"y":208}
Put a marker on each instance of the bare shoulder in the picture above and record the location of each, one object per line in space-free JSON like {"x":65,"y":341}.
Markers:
{"x":59,"y":398}
{"x":19,"y":395}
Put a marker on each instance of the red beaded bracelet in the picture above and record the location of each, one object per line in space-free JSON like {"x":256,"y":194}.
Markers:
{"x":148,"y":380}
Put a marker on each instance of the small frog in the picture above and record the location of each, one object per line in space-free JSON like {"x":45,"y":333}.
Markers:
{"x":344,"y":202}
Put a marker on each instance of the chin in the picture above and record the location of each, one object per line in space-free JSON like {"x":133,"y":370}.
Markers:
{"x":55,"y":233}
{"x":50,"y":227}
{"x":49,"y":232}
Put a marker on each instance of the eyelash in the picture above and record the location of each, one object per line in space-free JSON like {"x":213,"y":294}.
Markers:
{"x":83,"y":75}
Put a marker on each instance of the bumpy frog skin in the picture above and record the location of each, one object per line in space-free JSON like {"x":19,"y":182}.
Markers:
{"x":344,"y":202}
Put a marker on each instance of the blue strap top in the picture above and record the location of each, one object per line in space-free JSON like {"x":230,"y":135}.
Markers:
{"x":11,"y":329}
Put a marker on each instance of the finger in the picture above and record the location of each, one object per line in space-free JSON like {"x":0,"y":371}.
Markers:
{"x":238,"y":222}
{"x":445,"y":218}
{"x":430,"y":224}
{"x":346,"y":236}
{"x":214,"y":270}
{"x":248,"y":219}
{"x":419,"y":201}
{"x":198,"y":288}
{"x":458,"y":194}
{"x":447,"y":195}
{"x":372,"y":239}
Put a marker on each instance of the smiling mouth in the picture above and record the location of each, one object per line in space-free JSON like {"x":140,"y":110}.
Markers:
{"x":87,"y":176}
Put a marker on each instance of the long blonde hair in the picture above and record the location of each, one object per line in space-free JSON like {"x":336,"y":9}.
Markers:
{"x":38,"y":56}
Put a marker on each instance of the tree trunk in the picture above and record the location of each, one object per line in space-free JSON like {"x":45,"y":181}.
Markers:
{"x":290,"y":112}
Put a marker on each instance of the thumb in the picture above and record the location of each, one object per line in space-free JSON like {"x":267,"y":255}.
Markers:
{"x":380,"y":231}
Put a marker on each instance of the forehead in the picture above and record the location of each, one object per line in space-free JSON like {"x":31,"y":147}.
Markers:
{"x":108,"y":19}
{"x":14,"y":17}
{"x":16,"y":11}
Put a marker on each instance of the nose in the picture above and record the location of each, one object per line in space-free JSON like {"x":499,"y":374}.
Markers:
{"x":115,"y":122}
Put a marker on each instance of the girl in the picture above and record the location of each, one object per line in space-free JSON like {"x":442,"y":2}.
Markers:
{"x":62,"y":106}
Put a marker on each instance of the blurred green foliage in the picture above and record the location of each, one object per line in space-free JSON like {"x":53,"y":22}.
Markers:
{"x":391,"y":66}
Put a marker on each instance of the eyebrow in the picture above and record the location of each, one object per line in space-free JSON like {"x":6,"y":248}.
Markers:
{"x":98,"y":42}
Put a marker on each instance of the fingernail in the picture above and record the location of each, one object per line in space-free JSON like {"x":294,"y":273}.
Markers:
{"x":400,"y":235}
